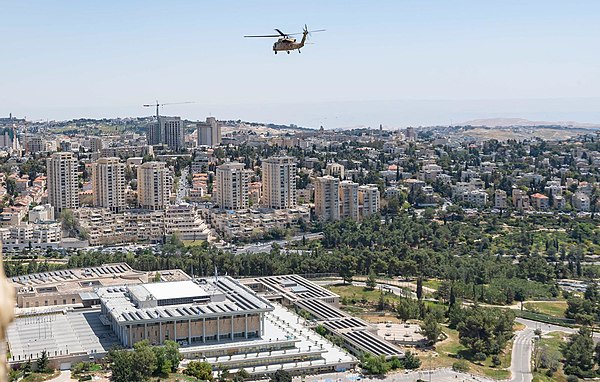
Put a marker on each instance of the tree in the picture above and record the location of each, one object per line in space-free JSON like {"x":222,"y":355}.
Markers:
{"x":11,"y":187}
{"x":26,"y":367}
{"x":485,"y":330}
{"x":199,"y":370}
{"x":381,"y":302}
{"x":578,"y":353}
{"x":347,"y":268}
{"x":371,"y":281}
{"x":281,"y":376}
{"x":406,"y":309}
{"x":420,"y":288}
{"x":172,"y":354}
{"x":410,"y":361}
{"x":597,"y":354}
{"x":163,"y":366}
{"x":374,"y":364}
{"x":431,"y":329}
{"x":223,"y":372}
{"x":143,"y":361}
{"x":241,"y":375}
{"x":121,"y":365}
{"x":42,"y":362}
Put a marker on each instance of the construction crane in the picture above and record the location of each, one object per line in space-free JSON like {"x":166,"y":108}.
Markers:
{"x":158,"y":105}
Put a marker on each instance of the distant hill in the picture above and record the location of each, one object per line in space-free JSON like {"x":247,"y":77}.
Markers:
{"x":508,"y":122}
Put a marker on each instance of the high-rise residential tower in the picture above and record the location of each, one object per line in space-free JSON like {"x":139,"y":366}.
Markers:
{"x":230,"y":190}
{"x":108,"y":183}
{"x":368,"y":199}
{"x":63,"y":186}
{"x":327,"y":200}
{"x":153,"y":185}
{"x":279,"y":182}
{"x":348,"y":200}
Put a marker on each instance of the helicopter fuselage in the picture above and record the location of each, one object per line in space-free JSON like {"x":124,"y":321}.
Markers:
{"x":288,"y":44}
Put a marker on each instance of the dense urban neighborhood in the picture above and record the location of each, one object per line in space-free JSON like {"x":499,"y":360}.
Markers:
{"x":154,"y":248}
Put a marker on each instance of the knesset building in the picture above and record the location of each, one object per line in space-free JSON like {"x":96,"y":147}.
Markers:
{"x":206,"y":310}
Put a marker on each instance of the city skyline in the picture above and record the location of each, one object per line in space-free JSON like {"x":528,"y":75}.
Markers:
{"x":394,"y":63}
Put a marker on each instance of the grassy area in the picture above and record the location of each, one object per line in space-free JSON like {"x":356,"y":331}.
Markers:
{"x":358,"y":294}
{"x":176,"y":377}
{"x":551,"y":308}
{"x":450,"y":350}
{"x":39,"y":377}
{"x":552,"y":342}
{"x":193,"y":243}
{"x":433,"y":284}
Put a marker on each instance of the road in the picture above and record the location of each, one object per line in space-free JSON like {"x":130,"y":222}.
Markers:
{"x":64,"y":376}
{"x":520,"y":367}
{"x":182,"y":187}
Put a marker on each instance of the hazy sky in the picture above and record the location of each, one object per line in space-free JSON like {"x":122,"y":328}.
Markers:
{"x":392,"y":62}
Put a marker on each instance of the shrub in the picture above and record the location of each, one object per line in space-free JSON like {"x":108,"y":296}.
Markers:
{"x":496,"y":360}
{"x":461,"y":366}
{"x":572,"y":378}
{"x":479,"y":356}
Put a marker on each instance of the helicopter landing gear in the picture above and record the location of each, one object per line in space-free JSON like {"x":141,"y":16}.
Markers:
{"x":275,"y":52}
{"x":299,"y":51}
{"x":288,"y":52}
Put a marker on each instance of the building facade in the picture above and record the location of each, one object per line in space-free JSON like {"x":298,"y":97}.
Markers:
{"x":368,"y":198}
{"x":500,"y":200}
{"x":348,"y":200}
{"x":279,"y":182}
{"x":189,"y":312}
{"x":231,"y":186}
{"x":172,"y":132}
{"x":153,"y":185}
{"x":327,"y":198}
{"x":108,"y":183}
{"x":209,"y":132}
{"x":167,"y":131}
{"x":63,"y":187}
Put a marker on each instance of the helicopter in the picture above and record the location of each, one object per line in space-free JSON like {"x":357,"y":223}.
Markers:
{"x":288,"y":43}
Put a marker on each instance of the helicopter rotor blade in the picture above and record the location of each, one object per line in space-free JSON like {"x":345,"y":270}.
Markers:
{"x":266,"y":35}
{"x":280,"y":32}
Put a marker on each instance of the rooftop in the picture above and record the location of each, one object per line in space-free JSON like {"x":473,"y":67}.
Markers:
{"x":168,"y":290}
{"x":196,"y":299}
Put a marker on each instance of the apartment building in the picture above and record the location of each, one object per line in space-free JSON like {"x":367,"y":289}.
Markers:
{"x":279,"y":182}
{"x":327,"y":199}
{"x":230,"y":190}
{"x":153,"y":185}
{"x":108,"y":183}
{"x":500,"y":200}
{"x":368,"y":199}
{"x":348,"y":200}
{"x":63,"y":186}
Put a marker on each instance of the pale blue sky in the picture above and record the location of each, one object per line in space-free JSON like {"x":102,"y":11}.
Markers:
{"x":431,"y":61}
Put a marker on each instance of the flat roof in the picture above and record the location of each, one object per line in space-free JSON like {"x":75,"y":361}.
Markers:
{"x":225,"y":296}
{"x":173,"y":289}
